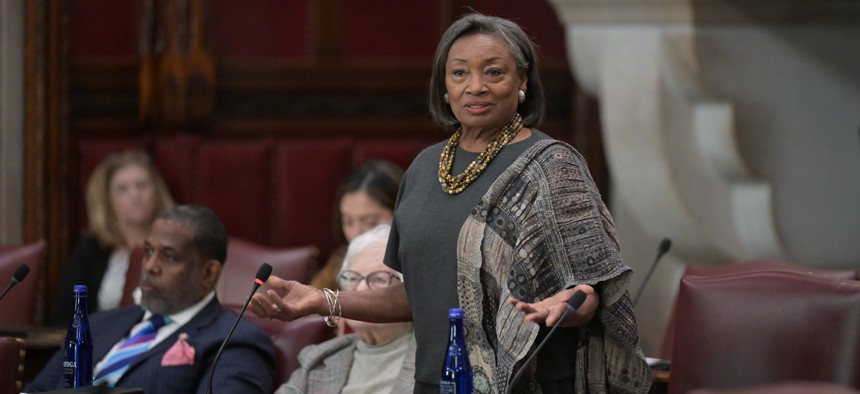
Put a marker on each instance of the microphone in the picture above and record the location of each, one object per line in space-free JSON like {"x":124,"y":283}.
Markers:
{"x":665,"y":244}
{"x":573,"y":303}
{"x":18,"y":276}
{"x":262,"y":276}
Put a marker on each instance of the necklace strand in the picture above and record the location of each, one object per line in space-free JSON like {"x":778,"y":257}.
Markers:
{"x":454,"y":184}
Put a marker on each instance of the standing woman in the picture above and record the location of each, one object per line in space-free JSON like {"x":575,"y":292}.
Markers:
{"x":506,"y":223}
{"x":124,"y":194}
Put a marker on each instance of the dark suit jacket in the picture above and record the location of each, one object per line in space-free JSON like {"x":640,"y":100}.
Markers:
{"x":86,"y":266}
{"x":246,"y":364}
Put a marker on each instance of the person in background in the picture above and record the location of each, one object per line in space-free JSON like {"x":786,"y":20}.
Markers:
{"x":377,"y":357}
{"x":184,"y":253}
{"x":364,"y":199}
{"x":504,"y":222}
{"x":124,"y":193}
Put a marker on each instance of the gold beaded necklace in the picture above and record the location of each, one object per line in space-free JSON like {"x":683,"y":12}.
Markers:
{"x":454,"y":184}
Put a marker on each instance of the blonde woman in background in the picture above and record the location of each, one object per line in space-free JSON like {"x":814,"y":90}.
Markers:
{"x":124,"y":193}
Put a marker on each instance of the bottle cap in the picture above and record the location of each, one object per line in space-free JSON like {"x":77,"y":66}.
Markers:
{"x":80,"y":289}
{"x":455,"y":312}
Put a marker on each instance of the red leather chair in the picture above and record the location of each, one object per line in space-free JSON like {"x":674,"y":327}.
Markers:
{"x":747,"y":266}
{"x":132,"y":276}
{"x":237,"y":278}
{"x":786,"y":388}
{"x":19,"y":305}
{"x":763,"y":327}
{"x":289,"y":339}
{"x":11,"y":365}
{"x":244,"y":259}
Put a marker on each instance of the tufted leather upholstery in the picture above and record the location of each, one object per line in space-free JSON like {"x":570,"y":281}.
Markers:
{"x":11,"y":365}
{"x":19,"y":305}
{"x":289,"y":339}
{"x":753,"y":328}
{"x":786,"y":388}
{"x":237,"y":278}
{"x":747,"y":266}
{"x":244,"y":259}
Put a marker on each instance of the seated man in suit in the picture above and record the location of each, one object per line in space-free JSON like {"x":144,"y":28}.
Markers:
{"x":184,"y":253}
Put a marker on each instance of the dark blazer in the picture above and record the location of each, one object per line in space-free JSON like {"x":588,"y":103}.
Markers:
{"x":246,"y":364}
{"x":86,"y":266}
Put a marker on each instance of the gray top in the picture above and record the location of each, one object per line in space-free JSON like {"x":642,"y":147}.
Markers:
{"x":423,"y":243}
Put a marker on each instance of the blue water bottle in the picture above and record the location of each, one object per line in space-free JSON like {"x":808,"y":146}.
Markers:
{"x":78,"y":359}
{"x":456,"y":372}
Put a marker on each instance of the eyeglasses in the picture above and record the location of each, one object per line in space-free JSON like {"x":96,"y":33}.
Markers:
{"x":349,"y":280}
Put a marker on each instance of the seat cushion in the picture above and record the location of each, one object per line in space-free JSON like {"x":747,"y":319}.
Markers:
{"x":761,"y":327}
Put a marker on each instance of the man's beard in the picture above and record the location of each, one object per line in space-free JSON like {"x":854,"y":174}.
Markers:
{"x":160,"y":303}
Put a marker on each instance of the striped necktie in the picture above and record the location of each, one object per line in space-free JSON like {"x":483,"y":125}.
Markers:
{"x":129,"y":351}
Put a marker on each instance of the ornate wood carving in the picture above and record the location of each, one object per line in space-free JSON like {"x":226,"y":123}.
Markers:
{"x":177,"y":69}
{"x":47,"y":154}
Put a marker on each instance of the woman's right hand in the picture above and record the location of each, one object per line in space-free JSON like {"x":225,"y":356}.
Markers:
{"x":298,"y":300}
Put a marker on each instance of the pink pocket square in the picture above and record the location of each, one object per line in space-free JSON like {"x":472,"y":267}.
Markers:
{"x":181,"y":353}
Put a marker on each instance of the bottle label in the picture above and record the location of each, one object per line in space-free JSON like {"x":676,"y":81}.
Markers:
{"x":447,"y":387}
{"x":77,"y":361}
{"x":68,"y":378}
{"x":77,"y":374}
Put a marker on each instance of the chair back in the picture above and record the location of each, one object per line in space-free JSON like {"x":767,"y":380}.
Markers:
{"x":244,"y":259}
{"x":11,"y":365}
{"x":747,"y":266}
{"x":753,"y":328}
{"x":289,"y":338}
{"x":132,"y":276}
{"x":18,"y":307}
{"x":785,"y":388}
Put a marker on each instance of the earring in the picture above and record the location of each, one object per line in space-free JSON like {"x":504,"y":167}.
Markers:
{"x":522,"y":96}
{"x":445,"y":97}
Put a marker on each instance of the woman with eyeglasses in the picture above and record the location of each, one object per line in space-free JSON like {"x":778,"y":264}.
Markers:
{"x":376,"y":357}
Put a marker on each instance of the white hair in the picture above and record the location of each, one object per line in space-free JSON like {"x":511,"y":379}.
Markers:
{"x":376,"y":236}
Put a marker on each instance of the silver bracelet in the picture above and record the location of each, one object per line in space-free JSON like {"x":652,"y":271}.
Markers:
{"x":333,"y":299}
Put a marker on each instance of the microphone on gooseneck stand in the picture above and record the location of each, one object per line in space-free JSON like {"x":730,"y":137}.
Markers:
{"x":573,"y":303}
{"x":262,"y":276}
{"x":18,"y":276}
{"x":665,"y":244}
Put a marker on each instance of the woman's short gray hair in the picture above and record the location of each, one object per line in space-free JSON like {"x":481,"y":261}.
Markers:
{"x":522,"y":49}
{"x":378,"y":236}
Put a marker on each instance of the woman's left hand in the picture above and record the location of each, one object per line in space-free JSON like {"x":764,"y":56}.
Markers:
{"x":550,"y":310}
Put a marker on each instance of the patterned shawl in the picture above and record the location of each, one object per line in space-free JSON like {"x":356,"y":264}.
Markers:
{"x":542,"y":228}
